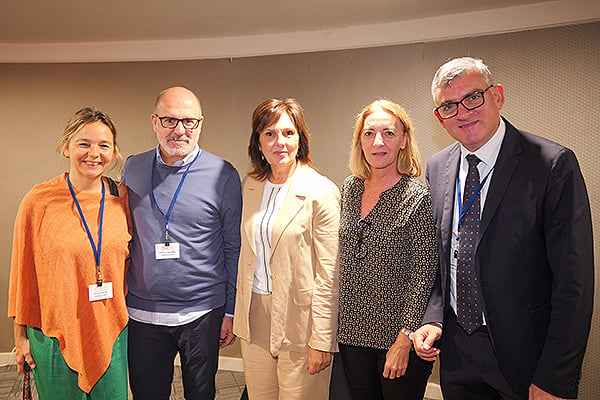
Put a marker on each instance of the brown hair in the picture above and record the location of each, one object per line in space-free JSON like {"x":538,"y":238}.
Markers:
{"x":266,"y":114}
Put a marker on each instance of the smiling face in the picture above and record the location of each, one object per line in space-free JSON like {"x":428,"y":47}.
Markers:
{"x":382,"y":138}
{"x":90,"y":152}
{"x":472,"y":128}
{"x":176,"y":143}
{"x":279,"y":144}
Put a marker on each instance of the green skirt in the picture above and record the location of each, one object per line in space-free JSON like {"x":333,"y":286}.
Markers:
{"x":55,"y":380}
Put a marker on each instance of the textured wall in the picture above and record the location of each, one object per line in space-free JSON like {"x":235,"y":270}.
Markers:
{"x":550,"y":78}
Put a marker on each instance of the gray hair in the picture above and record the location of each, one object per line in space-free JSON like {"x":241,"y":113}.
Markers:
{"x":458,"y":67}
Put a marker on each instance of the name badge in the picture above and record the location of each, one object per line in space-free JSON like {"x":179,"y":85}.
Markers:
{"x":101,"y":292}
{"x":164,"y":252}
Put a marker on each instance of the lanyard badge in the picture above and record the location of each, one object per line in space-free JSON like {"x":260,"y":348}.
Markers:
{"x":100,"y":290}
{"x":168,"y":249}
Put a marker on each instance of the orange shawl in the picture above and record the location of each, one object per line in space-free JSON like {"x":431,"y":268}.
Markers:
{"x":53,"y":265}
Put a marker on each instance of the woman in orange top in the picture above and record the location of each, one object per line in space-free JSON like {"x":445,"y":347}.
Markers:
{"x":67,"y":283}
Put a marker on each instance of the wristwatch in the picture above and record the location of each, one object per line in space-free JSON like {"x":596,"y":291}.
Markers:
{"x":410,"y":334}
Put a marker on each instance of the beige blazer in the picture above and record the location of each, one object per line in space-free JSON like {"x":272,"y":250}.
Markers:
{"x":304,"y":264}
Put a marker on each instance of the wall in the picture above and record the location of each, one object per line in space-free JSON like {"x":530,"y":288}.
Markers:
{"x":549,"y":76}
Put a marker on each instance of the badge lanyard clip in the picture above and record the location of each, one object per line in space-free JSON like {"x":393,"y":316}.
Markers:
{"x":97,"y":251}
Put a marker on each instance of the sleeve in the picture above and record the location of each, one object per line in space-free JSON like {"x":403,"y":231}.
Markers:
{"x":569,"y":243}
{"x":24,"y":301}
{"x":231,"y":220}
{"x":125,"y":170}
{"x":434,"y":311}
{"x":425,"y":262}
{"x":124,"y":193}
{"x":325,"y":237}
{"x":435,"y":307}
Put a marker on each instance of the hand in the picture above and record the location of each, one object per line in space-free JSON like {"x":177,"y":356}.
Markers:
{"x":424,"y":339}
{"x":318,"y":360}
{"x":22,"y":348}
{"x":227,"y":337}
{"x":535,"y":393}
{"x":396,"y":359}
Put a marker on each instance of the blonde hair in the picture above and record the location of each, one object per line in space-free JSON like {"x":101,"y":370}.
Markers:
{"x":409,"y":158}
{"x":83,"y":117}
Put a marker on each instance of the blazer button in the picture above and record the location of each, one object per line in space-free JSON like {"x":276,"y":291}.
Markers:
{"x":272,"y":276}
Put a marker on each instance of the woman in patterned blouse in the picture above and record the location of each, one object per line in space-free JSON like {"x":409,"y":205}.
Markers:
{"x":388,"y":258}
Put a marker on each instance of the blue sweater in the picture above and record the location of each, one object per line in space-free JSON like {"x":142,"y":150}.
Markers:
{"x":205,"y":222}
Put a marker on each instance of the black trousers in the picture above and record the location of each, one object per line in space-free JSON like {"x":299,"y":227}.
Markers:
{"x":468,"y":367}
{"x":364,"y":373}
{"x":152,"y":351}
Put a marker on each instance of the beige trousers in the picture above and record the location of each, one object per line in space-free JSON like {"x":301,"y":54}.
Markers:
{"x":284,"y":377}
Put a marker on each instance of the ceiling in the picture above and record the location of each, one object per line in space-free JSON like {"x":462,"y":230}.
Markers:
{"x":27,"y":21}
{"x":42,"y":24}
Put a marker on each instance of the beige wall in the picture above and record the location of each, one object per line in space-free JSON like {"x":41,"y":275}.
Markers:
{"x":550,"y":78}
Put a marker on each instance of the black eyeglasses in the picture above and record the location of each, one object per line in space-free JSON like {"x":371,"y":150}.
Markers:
{"x":364,"y":228}
{"x":470,"y":102}
{"x":171,"y":123}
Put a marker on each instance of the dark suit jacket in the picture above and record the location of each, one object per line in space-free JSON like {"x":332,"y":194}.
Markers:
{"x":534,"y":259}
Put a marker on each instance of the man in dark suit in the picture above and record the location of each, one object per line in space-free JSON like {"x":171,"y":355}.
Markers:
{"x":515,"y":288}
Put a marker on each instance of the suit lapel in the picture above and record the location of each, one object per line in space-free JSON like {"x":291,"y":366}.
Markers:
{"x":503,"y":171}
{"x":449,"y":183}
{"x":293,"y":203}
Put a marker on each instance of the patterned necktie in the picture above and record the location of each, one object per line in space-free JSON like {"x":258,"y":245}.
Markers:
{"x":468,"y":306}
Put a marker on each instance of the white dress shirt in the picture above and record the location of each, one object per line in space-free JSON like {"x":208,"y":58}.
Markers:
{"x":270,"y":205}
{"x":488,"y":154}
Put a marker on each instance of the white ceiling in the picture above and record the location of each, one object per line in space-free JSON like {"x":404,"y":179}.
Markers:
{"x":69,"y":30}
{"x":27,"y":21}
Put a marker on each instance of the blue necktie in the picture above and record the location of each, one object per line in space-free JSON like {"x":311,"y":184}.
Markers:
{"x":468,"y":306}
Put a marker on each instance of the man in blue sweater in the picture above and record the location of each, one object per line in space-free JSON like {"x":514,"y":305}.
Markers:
{"x":186,"y":208}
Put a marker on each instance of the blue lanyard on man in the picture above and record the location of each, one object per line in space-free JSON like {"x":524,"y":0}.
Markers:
{"x":167,"y":216}
{"x":97,"y":251}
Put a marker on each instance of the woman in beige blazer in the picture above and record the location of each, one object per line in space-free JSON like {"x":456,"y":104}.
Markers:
{"x":287,"y":287}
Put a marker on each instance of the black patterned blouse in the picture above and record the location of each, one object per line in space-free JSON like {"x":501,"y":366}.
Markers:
{"x":388,"y":262}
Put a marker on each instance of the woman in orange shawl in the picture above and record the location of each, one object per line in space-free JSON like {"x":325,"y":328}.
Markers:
{"x":67,"y":283}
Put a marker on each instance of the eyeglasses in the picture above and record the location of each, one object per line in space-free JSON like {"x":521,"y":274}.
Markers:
{"x":364,"y":228}
{"x":469,"y":102}
{"x":171,"y":123}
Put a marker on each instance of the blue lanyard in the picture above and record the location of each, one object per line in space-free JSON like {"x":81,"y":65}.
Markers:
{"x":167,"y":216}
{"x":463,"y":211}
{"x":97,"y":251}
